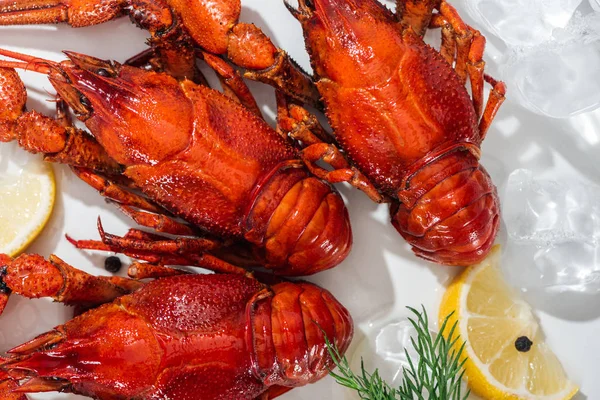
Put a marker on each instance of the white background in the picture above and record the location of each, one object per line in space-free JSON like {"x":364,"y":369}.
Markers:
{"x":381,"y":275}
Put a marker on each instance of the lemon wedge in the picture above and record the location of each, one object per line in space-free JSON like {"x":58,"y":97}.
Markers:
{"x":507,"y":355}
{"x":26,"y":203}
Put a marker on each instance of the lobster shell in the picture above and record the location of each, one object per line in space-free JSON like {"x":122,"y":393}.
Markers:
{"x":209,"y":337}
{"x":404,"y":117}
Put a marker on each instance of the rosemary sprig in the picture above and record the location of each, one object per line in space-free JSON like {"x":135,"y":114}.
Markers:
{"x":437,"y":374}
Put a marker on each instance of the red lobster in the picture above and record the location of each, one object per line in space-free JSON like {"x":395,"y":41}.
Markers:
{"x":177,"y":28}
{"x":209,"y":337}
{"x":193,"y":151}
{"x":403,"y":116}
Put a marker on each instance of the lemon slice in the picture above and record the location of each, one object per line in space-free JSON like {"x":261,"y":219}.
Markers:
{"x":26,"y":202}
{"x":507,"y":355}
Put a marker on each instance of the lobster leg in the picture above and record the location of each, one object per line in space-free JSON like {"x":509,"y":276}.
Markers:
{"x":467,"y":45}
{"x":233,"y":84}
{"x":249,"y":48}
{"x":448,"y":48}
{"x":463,"y":36}
{"x":158,"y":222}
{"x":127,"y":200}
{"x":180,"y":246}
{"x":294,"y":122}
{"x":497,"y":97}
{"x":475,"y":64}
{"x":160,"y":250}
{"x":416,"y":14}
{"x":114,"y":192}
{"x":8,"y":385}
{"x":343,"y":171}
{"x":139,"y":255}
{"x":150,"y":60}
{"x":37,"y":133}
{"x":32,"y":276}
{"x":139,"y":270}
{"x":297,"y":123}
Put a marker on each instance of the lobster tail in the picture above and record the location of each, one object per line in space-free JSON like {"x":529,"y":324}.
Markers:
{"x":315,"y":316}
{"x":449,"y":210}
{"x":307,"y":229}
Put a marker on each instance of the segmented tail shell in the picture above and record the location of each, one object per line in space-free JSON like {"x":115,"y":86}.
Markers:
{"x":450,"y":211}
{"x":290,"y":331}
{"x":300,"y":222}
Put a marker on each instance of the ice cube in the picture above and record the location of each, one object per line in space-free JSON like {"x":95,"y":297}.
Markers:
{"x":552,"y":54}
{"x":389,"y":341}
{"x":522,"y":22}
{"x":559,"y":76}
{"x":385,"y":348}
{"x":553,"y":233}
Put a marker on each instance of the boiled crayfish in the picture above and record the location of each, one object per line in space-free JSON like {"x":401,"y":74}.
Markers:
{"x":403,"y":116}
{"x":209,"y":337}
{"x":177,"y":29}
{"x":193,"y":151}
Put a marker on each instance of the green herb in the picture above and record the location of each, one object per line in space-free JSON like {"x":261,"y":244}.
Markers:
{"x":436,"y":376}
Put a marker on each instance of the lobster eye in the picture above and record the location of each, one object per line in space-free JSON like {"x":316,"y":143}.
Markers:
{"x":85,"y":102}
{"x":103,"y":72}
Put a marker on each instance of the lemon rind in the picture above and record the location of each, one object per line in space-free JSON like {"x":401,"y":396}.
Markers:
{"x":483,"y":383}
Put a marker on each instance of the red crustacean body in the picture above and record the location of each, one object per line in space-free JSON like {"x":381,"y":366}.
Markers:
{"x":179,"y":29}
{"x":217,"y":336}
{"x":194,"y":152}
{"x":7,"y":385}
{"x":403,"y":116}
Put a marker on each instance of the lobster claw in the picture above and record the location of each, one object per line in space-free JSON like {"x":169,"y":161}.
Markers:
{"x":303,"y":11}
{"x":40,"y":385}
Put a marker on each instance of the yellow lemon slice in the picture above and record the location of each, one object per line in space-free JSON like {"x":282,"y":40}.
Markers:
{"x":26,"y":202}
{"x":507,"y":355}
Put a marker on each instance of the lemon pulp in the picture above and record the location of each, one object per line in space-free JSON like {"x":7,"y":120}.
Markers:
{"x":26,"y":203}
{"x":507,"y":355}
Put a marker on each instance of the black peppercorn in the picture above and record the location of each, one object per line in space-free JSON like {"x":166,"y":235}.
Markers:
{"x":112,"y":264}
{"x":523,"y":344}
{"x":3,"y":288}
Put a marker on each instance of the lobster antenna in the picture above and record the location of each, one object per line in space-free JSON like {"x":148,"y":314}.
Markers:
{"x":41,"y":68}
{"x":29,"y":63}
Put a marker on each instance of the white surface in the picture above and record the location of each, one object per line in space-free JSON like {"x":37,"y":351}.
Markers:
{"x":381,"y":276}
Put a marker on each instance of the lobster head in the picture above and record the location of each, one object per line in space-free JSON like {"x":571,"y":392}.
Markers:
{"x":214,"y":336}
{"x":347,"y":39}
{"x":139,"y":117}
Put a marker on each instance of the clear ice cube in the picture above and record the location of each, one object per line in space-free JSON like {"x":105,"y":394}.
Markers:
{"x":559,"y":77}
{"x":552,"y":55}
{"x":522,"y":22}
{"x":553,"y":233}
{"x":386,"y":348}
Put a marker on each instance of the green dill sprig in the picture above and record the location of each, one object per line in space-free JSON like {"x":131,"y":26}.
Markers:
{"x":436,"y":376}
